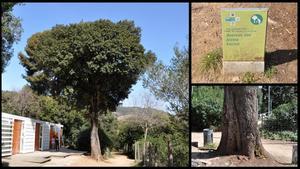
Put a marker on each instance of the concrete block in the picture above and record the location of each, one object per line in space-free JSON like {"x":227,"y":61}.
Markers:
{"x":237,"y":67}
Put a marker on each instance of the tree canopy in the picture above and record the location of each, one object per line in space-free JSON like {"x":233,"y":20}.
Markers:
{"x":11,"y":32}
{"x":93,"y":64}
{"x":82,"y":59}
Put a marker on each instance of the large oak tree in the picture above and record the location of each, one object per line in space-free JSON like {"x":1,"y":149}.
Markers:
{"x":240,"y":134}
{"x":94,"y":64}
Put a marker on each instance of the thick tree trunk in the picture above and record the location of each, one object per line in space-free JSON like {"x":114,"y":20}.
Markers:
{"x":95,"y":141}
{"x":240,"y":135}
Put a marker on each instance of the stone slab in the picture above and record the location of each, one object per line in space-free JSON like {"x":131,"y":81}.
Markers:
{"x":237,"y":67}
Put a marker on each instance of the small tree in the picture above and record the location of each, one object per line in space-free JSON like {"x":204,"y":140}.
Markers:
{"x":26,"y":103}
{"x":7,"y":105}
{"x":170,"y":83}
{"x":149,"y":118}
{"x":93,"y":63}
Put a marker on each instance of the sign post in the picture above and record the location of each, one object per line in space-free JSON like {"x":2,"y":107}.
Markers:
{"x":244,"y":39}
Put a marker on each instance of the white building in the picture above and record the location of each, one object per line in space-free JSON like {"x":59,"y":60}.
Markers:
{"x":24,"y":135}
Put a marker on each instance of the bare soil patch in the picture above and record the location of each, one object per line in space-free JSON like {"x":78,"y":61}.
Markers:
{"x":280,"y":150}
{"x":281,"y":43}
{"x":117,"y":160}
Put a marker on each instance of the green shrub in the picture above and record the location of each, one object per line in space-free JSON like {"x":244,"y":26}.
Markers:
{"x":180,"y":150}
{"x":129,"y":133}
{"x":159,"y":143}
{"x":205,"y":116}
{"x":207,"y":107}
{"x":171,"y":128}
{"x":280,"y":135}
{"x":159,"y":147}
{"x":288,"y":135}
{"x":284,"y":117}
{"x":270,"y":72}
{"x":211,"y":61}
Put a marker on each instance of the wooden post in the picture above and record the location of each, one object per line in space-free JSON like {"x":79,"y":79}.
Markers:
{"x":149,"y":150}
{"x":135,"y":151}
{"x":155,"y":156}
{"x":170,"y":153}
{"x":294,"y":157}
{"x":138,"y":150}
{"x":144,"y":154}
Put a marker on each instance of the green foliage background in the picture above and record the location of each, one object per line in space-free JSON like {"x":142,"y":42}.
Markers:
{"x":10,"y":33}
{"x":207,"y":107}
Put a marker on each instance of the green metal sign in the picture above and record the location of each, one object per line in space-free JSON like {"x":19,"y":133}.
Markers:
{"x":244,"y":33}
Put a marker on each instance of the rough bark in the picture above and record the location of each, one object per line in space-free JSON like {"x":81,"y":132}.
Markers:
{"x":95,"y":141}
{"x":240,"y":134}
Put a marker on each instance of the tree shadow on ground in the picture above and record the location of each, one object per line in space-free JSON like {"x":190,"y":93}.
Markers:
{"x":280,"y":57}
{"x":5,"y":164}
{"x":204,"y":155}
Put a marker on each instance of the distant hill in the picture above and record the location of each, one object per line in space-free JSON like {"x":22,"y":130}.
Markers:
{"x":126,"y":112}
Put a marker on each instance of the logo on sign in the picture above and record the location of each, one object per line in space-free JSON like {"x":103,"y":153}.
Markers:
{"x":256,"y":19}
{"x":232,"y":19}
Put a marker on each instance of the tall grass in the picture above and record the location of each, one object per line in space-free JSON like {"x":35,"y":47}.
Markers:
{"x":212,"y":61}
{"x":270,"y":72}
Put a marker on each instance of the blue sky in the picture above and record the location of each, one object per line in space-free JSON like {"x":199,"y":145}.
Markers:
{"x":163,"y":25}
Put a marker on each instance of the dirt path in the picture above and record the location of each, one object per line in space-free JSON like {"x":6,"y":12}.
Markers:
{"x":117,"y":159}
{"x":65,"y":157}
{"x":280,"y":150}
{"x":281,"y":43}
{"x":39,"y":158}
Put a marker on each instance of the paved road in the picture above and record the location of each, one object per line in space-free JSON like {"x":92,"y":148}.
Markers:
{"x":281,"y":150}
